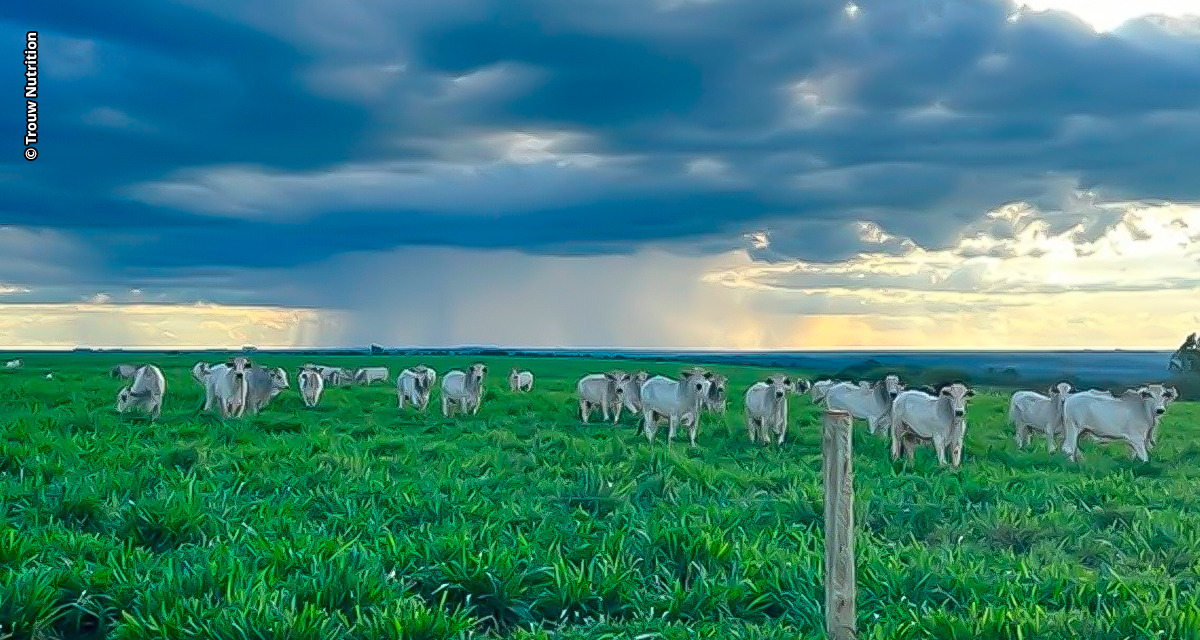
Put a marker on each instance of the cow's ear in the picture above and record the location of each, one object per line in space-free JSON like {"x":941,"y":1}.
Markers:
{"x":1144,"y":393}
{"x":970,"y":392}
{"x":787,"y":380}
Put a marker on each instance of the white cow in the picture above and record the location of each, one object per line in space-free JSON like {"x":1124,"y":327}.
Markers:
{"x":918,"y":417}
{"x":631,"y":394}
{"x":226,"y":385}
{"x":820,"y":389}
{"x":766,"y":409}
{"x":520,"y":380}
{"x":14,"y":364}
{"x":125,"y":371}
{"x":415,"y":385}
{"x":866,"y":401}
{"x":716,"y":400}
{"x":464,"y":389}
{"x":367,"y":375}
{"x":1031,"y":411}
{"x":603,"y":390}
{"x":200,"y":371}
{"x":262,"y":386}
{"x":1133,"y":418}
{"x":334,"y":376}
{"x":675,"y":400}
{"x":311,"y":385}
{"x":145,"y":393}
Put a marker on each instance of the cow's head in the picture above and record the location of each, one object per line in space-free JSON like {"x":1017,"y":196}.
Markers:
{"x":892,"y":386}
{"x":800,"y":385}
{"x":124,"y":399}
{"x":1062,"y":390}
{"x":279,"y":378}
{"x":1157,"y":397}
{"x":479,"y":370}
{"x":718,"y":385}
{"x":957,"y":393}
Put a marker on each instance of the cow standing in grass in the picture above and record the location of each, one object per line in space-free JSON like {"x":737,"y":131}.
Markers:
{"x":263,"y":386}
{"x":675,"y":400}
{"x":631,"y":396}
{"x":226,"y":386}
{"x":603,"y":390}
{"x":415,"y":385}
{"x":1031,"y":411}
{"x":464,"y":389}
{"x":820,"y":389}
{"x":1133,"y":418}
{"x":144,"y":393}
{"x":918,"y":417}
{"x":866,"y":401}
{"x":311,"y":385}
{"x":767,"y":408}
{"x":200,"y":372}
{"x":520,"y":381}
{"x":367,"y":375}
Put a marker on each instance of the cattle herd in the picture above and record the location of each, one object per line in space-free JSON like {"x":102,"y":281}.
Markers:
{"x":910,"y":417}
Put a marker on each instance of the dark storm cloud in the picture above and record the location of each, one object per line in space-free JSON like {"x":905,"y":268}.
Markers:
{"x":721,"y":117}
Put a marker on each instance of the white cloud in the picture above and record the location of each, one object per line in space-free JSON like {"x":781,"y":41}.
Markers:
{"x":1106,"y":15}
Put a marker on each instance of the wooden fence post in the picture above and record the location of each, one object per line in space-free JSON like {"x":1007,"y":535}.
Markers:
{"x":841,"y":592}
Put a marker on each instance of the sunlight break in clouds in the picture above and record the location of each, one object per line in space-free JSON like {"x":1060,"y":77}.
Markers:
{"x":199,"y":326}
{"x":1106,"y":15}
{"x":1009,"y":282}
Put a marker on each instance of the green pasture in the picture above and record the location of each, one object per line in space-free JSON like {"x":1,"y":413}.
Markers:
{"x":358,"y":521}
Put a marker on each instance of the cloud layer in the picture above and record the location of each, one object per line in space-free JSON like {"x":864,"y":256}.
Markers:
{"x":818,"y":165}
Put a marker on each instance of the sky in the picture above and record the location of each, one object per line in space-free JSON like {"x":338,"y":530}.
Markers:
{"x":671,"y":174}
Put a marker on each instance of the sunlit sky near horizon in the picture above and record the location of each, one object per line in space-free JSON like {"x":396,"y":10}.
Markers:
{"x":645,"y":174}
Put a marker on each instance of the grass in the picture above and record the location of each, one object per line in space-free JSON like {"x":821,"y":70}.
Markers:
{"x":356,"y":520}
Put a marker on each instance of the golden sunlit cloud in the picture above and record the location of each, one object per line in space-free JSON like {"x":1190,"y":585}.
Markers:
{"x":200,"y":326}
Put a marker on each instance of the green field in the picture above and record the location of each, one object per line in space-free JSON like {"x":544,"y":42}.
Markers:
{"x":356,"y":520}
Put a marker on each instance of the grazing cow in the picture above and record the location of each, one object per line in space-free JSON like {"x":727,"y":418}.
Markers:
{"x":124,"y":371}
{"x":766,"y":408}
{"x":918,"y":417}
{"x":144,"y":393}
{"x":715,"y":399}
{"x":1133,"y":418}
{"x":603,"y":390}
{"x":866,"y":401}
{"x":262,"y":386}
{"x":520,"y":380}
{"x":367,"y":375}
{"x":1031,"y":411}
{"x":415,"y":385}
{"x":464,"y":389}
{"x":226,"y":385}
{"x":311,"y":385}
{"x":49,"y":376}
{"x":14,"y":364}
{"x":820,"y":389}
{"x":200,"y":371}
{"x":675,"y":400}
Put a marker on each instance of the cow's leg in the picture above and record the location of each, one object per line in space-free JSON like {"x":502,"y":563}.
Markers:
{"x":445,"y":406}
{"x":909,"y":445}
{"x":897,"y":434}
{"x":604,"y":402}
{"x":672,"y":427}
{"x":1022,"y":435}
{"x":476,"y":403}
{"x":939,"y":443}
{"x":651,"y":425}
{"x":751,"y":428}
{"x":584,"y":410}
{"x":157,"y":409}
{"x":400,"y":399}
{"x":872,"y":424}
{"x":1070,"y":443}
{"x":956,"y":453}
{"x":1051,"y":439}
{"x":617,"y":406}
{"x":693,"y":429}
{"x":1139,"y":450}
